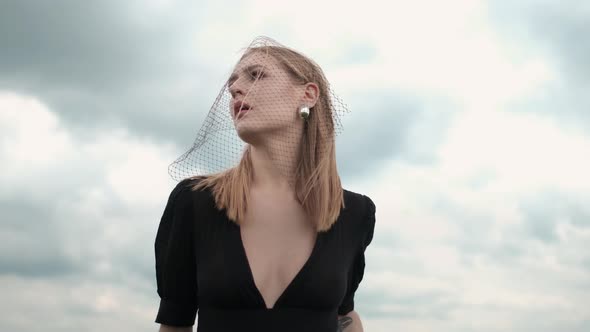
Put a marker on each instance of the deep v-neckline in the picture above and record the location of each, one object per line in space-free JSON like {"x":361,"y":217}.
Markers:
{"x":250,"y":273}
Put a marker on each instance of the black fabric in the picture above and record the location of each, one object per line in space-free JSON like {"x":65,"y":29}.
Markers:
{"x":201,"y":265}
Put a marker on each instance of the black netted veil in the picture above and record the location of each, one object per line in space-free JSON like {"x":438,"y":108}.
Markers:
{"x":258,"y":84}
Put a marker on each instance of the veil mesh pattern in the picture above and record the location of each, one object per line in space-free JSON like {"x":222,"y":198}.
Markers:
{"x":225,"y":133}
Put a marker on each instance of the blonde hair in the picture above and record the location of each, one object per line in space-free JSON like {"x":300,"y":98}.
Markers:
{"x":317,"y":185}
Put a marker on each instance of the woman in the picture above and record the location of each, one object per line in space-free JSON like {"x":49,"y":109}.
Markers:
{"x":273,"y":243}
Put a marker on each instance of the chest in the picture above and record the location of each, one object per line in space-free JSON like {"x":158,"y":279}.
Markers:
{"x":275,"y":261}
{"x":278,"y":240}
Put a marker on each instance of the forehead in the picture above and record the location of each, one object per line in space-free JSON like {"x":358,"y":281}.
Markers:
{"x":254,"y":60}
{"x":257,"y":58}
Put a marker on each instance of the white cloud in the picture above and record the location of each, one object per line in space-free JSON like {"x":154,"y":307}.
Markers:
{"x":461,"y":256}
{"x":488,"y":165}
{"x":30,"y":136}
{"x":421,"y":47}
{"x":74,"y":305}
{"x":523,"y":150}
{"x":101,"y":196}
{"x":37,"y":148}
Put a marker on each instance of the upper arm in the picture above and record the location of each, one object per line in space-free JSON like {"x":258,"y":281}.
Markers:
{"x":168,"y":328}
{"x":354,"y":325}
{"x":176,"y":270}
{"x":357,"y":269}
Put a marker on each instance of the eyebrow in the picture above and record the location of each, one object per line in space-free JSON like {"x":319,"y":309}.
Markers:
{"x":234,"y":76}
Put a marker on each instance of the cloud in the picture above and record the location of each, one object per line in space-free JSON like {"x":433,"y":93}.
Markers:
{"x":477,"y":235}
{"x":102,"y":65}
{"x":78,"y":212}
{"x":383,"y":127}
{"x":468,"y":130}
{"x":73,"y":305}
{"x":554,"y":31}
{"x":31,"y":230}
{"x":551,"y":28}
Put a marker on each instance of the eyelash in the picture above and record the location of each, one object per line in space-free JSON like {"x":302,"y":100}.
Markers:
{"x":256,"y":74}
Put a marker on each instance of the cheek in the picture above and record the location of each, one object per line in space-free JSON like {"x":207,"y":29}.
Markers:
{"x":276,"y":96}
{"x":271,"y":95}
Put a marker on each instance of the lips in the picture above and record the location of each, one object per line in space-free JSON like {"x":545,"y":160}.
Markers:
{"x":240,"y":108}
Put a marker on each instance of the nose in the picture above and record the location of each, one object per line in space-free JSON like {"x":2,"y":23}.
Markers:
{"x":235,"y":88}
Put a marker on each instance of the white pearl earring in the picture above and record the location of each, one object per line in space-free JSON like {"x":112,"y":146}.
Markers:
{"x":304,"y":112}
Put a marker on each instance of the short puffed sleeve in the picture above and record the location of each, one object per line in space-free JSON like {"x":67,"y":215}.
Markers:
{"x":176,"y":268}
{"x":357,"y":270}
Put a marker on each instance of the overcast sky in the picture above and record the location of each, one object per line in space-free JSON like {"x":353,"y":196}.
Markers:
{"x":469,"y":128}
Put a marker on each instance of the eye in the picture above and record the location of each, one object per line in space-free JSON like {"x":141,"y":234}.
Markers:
{"x":256,"y":74}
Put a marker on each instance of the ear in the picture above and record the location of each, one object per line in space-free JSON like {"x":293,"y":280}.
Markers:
{"x":311,"y":93}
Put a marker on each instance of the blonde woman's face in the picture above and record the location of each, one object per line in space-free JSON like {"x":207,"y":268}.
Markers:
{"x":264,"y":98}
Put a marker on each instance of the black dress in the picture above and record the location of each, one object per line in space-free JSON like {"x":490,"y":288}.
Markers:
{"x":201,"y":265}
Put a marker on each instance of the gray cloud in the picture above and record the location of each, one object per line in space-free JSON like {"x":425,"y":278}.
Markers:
{"x":73,"y":305}
{"x":482,"y":238}
{"x":558,"y":31}
{"x":384,"y":126}
{"x":101,"y":65}
{"x":554,"y":28}
{"x":31,"y":240}
{"x":55,"y":231}
{"x":437,"y":305}
{"x":105,"y":65}
{"x":544,"y":211}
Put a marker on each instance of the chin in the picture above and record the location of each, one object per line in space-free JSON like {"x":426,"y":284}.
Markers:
{"x":249,"y":133}
{"x":252,"y":133}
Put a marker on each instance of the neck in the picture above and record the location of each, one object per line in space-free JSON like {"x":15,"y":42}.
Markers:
{"x":274,"y":164}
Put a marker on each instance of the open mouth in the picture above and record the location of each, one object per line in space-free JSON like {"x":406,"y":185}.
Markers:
{"x":240,"y":109}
